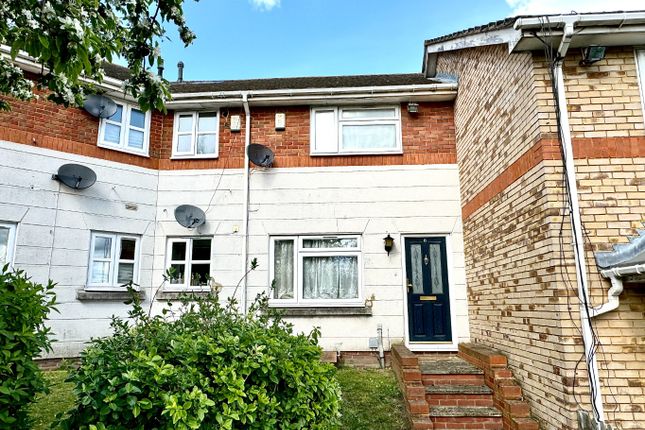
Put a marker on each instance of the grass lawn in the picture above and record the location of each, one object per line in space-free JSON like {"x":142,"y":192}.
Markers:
{"x":371,"y":400}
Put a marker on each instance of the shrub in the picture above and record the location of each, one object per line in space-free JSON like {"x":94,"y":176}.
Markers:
{"x":204,"y":366}
{"x":24,"y":306}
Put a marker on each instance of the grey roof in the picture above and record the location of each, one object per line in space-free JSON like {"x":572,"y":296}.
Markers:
{"x":302,"y":83}
{"x":122,"y":73}
{"x":503,"y":24}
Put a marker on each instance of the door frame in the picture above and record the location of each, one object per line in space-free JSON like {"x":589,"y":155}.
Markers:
{"x":430,"y":346}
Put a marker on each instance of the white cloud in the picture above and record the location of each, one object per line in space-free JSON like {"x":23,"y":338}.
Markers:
{"x":265,"y":5}
{"x":537,"y":7}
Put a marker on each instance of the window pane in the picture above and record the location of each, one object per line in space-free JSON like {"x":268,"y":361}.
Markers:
{"x":180,"y":270}
{"x":436,"y":271}
{"x":201,"y":275}
{"x":184,"y":143}
{"x":128,"y":247}
{"x":207,"y":122}
{"x":118,"y":115}
{"x":206,"y":143}
{"x":185,"y":123}
{"x":137,"y":118}
{"x":372,"y":136}
{"x":330,"y":277}
{"x":112,"y":133}
{"x":201,"y":249}
{"x":135,"y":139}
{"x":178,"y":251}
{"x":417,"y":269}
{"x":126,"y":273}
{"x":330,"y":243}
{"x":100,"y":272}
{"x":325,"y":133}
{"x":4,"y":245}
{"x":368,"y":113}
{"x":283,"y":269}
{"x":102,"y":247}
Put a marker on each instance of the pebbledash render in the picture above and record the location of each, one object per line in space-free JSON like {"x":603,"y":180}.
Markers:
{"x":460,"y":165}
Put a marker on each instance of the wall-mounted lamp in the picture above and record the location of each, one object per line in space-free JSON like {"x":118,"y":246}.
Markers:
{"x":413,"y":107}
{"x":388,"y":243}
{"x":592,"y":54}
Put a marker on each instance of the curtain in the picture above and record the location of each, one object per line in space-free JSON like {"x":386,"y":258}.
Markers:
{"x":283,"y":269}
{"x":334,"y":277}
{"x":369,"y":136}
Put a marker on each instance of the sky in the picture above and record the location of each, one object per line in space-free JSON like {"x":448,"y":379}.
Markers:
{"x":243,"y":39}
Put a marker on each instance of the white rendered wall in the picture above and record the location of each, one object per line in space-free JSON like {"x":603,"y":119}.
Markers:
{"x":370,"y":201}
{"x":54,"y":224}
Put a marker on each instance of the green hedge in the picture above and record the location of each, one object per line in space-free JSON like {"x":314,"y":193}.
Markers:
{"x":204,"y":366}
{"x":24,"y":306}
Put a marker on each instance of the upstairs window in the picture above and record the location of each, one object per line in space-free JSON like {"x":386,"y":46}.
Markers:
{"x":316,"y":270}
{"x":114,"y":260}
{"x":352,"y":130}
{"x":127,"y":130}
{"x":196,"y":135}
{"x":7,"y":240}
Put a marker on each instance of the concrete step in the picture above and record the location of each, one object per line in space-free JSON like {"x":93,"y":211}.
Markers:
{"x":465,"y":411}
{"x":458,"y":389}
{"x":461,"y":423}
{"x":450,"y":366}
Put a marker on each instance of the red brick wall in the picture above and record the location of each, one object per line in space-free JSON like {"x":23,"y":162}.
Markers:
{"x":428,"y":137}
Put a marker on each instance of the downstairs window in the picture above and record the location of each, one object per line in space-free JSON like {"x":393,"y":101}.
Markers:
{"x":316,"y":270}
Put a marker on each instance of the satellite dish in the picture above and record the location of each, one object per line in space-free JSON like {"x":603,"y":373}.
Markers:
{"x":260,"y":155}
{"x":190,"y":216}
{"x":75,"y":176}
{"x":99,"y":106}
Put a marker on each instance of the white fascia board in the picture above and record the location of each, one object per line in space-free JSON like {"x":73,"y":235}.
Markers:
{"x":496,"y":37}
{"x":324,"y":99}
{"x":585,"y":20}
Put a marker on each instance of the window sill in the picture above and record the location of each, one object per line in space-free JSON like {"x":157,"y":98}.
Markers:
{"x":121,"y":149}
{"x":177,"y":295}
{"x":195,"y":157}
{"x":315,"y":311}
{"x":341,"y":154}
{"x":107,"y":295}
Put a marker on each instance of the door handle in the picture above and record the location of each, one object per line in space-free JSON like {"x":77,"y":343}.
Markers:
{"x":409,"y":284}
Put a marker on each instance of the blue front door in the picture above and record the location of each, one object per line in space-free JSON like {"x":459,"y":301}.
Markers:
{"x":427,"y":289}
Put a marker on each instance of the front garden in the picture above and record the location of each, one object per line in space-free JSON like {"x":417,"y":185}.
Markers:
{"x":200,"y":364}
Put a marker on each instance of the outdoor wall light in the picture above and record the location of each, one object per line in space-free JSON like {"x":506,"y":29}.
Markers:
{"x":413,"y":107}
{"x":592,"y":54}
{"x":388,"y":241}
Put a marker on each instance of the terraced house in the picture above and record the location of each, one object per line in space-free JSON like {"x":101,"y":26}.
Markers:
{"x":491,"y":205}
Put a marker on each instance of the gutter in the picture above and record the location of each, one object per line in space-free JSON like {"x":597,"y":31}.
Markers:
{"x":245,"y":215}
{"x":616,"y":276}
{"x":586,"y":312}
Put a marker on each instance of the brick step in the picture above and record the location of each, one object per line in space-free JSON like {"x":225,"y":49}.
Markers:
{"x":465,"y":412}
{"x":470,"y":423}
{"x":429,"y":379}
{"x":459,"y":395}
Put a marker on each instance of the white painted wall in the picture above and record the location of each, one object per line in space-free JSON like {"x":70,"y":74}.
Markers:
{"x":371,"y":201}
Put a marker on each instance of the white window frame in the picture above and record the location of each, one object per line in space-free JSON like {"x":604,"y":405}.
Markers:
{"x":125,"y":131}
{"x":340,"y":122}
{"x":11,"y":242}
{"x":194,"y":133}
{"x":114,"y":260}
{"x":299,"y":252}
{"x":639,"y":54}
{"x":188,"y":262}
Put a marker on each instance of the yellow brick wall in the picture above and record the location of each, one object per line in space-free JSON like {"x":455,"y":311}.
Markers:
{"x":603,"y":98}
{"x":520,"y":272}
{"x":498,"y":121}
